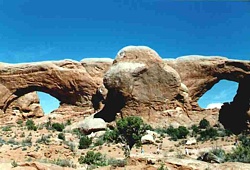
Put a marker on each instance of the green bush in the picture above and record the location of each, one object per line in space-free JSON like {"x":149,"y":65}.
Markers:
{"x":210,"y":133}
{"x":84,"y":142}
{"x":27,"y":142}
{"x":64,"y":163}
{"x":14,"y":164}
{"x":195,"y":129}
{"x":6,"y":128}
{"x":31,"y":125}
{"x":111,"y":135}
{"x":93,"y":158}
{"x":177,"y":133}
{"x":242,"y":151}
{"x":161,"y":131}
{"x":117,"y":162}
{"x":61,"y":136}
{"x":45,"y":139}
{"x":100,"y":141}
{"x":220,"y":153}
{"x":12,"y":141}
{"x":20,"y":122}
{"x":204,"y":123}
{"x":68,"y":122}
{"x":77,"y":132}
{"x":58,"y":126}
{"x":130,"y":130}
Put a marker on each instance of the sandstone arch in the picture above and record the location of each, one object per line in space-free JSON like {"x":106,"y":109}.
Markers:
{"x":201,"y":73}
{"x":66,"y":80}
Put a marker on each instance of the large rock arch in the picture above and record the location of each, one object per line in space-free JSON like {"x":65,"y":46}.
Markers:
{"x":66,"y":80}
{"x":200,"y":73}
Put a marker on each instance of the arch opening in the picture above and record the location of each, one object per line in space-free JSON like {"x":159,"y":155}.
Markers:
{"x":221,"y":92}
{"x":48,"y":102}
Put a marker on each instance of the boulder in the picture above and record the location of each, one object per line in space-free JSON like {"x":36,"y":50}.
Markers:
{"x":191,"y":141}
{"x":88,"y":125}
{"x":147,"y":139}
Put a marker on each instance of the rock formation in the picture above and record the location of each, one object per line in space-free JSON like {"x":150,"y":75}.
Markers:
{"x":200,"y":73}
{"x":66,"y":80}
{"x":235,"y":115}
{"x":137,"y":82}
{"x":26,"y":106}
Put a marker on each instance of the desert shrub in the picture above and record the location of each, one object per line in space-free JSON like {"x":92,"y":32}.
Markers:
{"x":6,"y":128}
{"x":14,"y":164}
{"x":12,"y":141}
{"x":71,"y":146}
{"x":225,"y":132}
{"x":117,"y":162}
{"x":64,"y":163}
{"x":68,"y":122}
{"x":58,"y":126}
{"x":77,"y":132}
{"x":195,"y":130}
{"x":130,"y":130}
{"x":162,"y":167}
{"x":84,"y":142}
{"x":20,"y":122}
{"x":22,"y":135}
{"x":61,"y":136}
{"x":100,"y":141}
{"x":93,"y":158}
{"x":111,"y":135}
{"x":27,"y":142}
{"x":182,"y":132}
{"x":219,"y":152}
{"x":242,"y":151}
{"x":210,"y":133}
{"x":31,"y":125}
{"x":2,"y":141}
{"x":228,"y":132}
{"x":204,"y":123}
{"x":161,"y":131}
{"x":177,"y":133}
{"x":44,"y":139}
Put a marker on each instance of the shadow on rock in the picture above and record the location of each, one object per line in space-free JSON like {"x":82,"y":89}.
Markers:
{"x":113,"y":104}
{"x":234,"y":115}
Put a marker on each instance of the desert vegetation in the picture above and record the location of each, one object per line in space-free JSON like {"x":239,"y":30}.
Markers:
{"x":119,"y":142}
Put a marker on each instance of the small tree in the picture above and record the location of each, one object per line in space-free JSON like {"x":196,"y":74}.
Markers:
{"x":31,"y":125}
{"x":84,"y":142}
{"x":204,"y":123}
{"x":131,"y":130}
{"x":93,"y":158}
{"x":177,"y":133}
{"x":58,"y":127}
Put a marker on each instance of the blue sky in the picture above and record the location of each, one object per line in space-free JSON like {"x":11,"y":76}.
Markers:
{"x":58,"y":29}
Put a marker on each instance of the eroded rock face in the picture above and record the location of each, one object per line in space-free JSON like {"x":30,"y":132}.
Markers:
{"x":200,"y":73}
{"x":26,"y":106}
{"x":66,"y":80}
{"x":139,"y":81}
